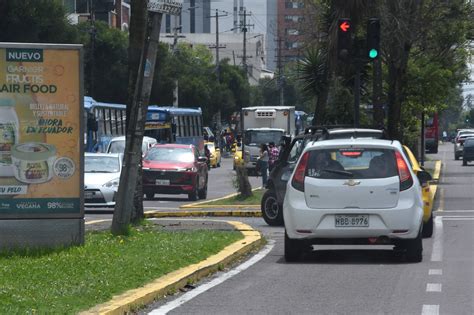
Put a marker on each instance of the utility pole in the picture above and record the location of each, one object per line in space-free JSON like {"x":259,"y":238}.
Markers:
{"x":93,"y":32}
{"x":281,"y":83}
{"x":217,"y":47}
{"x":175,"y":37}
{"x":244,"y":26}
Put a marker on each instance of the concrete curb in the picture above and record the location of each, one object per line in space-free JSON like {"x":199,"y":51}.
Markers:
{"x":203,"y":213}
{"x":132,"y":299}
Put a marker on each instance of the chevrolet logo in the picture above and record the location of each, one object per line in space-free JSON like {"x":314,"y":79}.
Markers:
{"x":352,"y":182}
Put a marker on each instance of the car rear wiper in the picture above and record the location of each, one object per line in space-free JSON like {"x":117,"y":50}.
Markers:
{"x":339,"y":172}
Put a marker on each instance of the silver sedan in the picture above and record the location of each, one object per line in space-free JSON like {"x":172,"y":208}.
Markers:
{"x":101,"y":178}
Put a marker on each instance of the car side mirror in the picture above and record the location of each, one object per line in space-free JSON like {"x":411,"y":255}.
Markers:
{"x":202,"y":159}
{"x":424,"y":176}
{"x":218,"y":150}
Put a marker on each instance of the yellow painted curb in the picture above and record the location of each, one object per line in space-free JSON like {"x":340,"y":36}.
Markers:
{"x":197,"y":204}
{"x":437,"y":170}
{"x":434,"y":187}
{"x":223,"y":213}
{"x":121,"y":304}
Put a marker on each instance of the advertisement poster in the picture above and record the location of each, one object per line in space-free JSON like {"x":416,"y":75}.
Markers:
{"x":40,"y":131}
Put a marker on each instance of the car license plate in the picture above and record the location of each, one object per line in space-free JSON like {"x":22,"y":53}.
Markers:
{"x":352,"y":220}
{"x":88,"y":194}
{"x":162,"y":182}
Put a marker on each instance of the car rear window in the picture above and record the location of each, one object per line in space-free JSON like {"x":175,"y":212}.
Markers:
{"x":358,"y":134}
{"x":358,"y":163}
{"x":168,"y":154}
{"x":469,"y":143}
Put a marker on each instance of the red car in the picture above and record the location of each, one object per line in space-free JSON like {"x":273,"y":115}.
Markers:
{"x":175,"y":169}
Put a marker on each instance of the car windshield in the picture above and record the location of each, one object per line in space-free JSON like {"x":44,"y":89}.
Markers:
{"x":118,"y":146}
{"x":167,"y":154}
{"x":360,"y":163}
{"x":101,"y":164}
{"x":260,"y":136}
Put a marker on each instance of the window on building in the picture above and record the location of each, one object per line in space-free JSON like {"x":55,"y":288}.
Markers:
{"x":294,"y":18}
{"x":294,"y":4}
{"x":292,"y":31}
{"x":292,"y":45}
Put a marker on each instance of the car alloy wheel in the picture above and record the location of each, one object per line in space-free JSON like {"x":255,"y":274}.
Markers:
{"x":271,"y":210}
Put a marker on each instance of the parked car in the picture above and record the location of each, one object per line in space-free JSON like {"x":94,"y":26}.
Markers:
{"x":215,"y":160}
{"x":101,"y":178}
{"x":117,"y":144}
{"x":468,"y":151}
{"x":175,"y":169}
{"x":426,"y":193}
{"x":272,"y":200}
{"x":354,"y":191}
{"x":459,"y":142}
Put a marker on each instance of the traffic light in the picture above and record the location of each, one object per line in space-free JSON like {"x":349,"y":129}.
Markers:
{"x":373,"y":38}
{"x":344,"y":39}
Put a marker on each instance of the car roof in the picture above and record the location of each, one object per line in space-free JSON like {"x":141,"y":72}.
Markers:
{"x":173,"y":145}
{"x":370,"y":142}
{"x":122,"y":138}
{"x":117,"y":155}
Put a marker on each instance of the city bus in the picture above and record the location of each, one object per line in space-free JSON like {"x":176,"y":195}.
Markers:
{"x":105,"y":121}
{"x":176,"y":125}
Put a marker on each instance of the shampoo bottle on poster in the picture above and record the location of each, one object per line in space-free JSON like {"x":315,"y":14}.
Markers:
{"x":9,"y":135}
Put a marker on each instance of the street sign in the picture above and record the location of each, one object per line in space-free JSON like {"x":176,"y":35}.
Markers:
{"x":172,"y":7}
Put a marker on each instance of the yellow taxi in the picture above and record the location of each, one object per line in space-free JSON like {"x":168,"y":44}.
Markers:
{"x":426,"y":193}
{"x":237,"y":150}
{"x":215,"y":154}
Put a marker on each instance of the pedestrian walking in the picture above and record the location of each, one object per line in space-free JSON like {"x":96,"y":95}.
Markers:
{"x":263,"y":163}
{"x":274,"y":153}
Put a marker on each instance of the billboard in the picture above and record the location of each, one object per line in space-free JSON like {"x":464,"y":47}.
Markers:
{"x":41,"y":159}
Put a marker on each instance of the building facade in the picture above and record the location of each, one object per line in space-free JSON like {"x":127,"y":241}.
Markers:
{"x":194,"y":18}
{"x":285,"y":33}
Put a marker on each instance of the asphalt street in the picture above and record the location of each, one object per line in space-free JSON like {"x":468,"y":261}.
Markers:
{"x":348,"y":280}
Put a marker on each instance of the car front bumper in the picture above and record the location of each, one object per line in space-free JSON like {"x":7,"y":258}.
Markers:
{"x":98,"y":196}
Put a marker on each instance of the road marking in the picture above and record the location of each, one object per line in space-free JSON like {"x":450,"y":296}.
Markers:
{"x":458,"y":210}
{"x":441,"y":200}
{"x":433,"y":287}
{"x":435,"y":272}
{"x":203,"y":288}
{"x":430,"y":310}
{"x":457,"y":219}
{"x":437,"y":253}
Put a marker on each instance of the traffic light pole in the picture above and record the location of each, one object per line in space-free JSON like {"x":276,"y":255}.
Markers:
{"x":357,"y":95}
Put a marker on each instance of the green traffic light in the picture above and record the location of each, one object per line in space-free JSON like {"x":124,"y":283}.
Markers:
{"x":373,"y":53}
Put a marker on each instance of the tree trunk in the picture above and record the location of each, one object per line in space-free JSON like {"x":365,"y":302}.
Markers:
{"x":244,"y":187}
{"x":138,"y":25}
{"x":322,"y":99}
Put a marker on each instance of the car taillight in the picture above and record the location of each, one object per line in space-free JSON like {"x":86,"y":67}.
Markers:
{"x":403,"y":172}
{"x":298,"y":179}
{"x":457,"y":140}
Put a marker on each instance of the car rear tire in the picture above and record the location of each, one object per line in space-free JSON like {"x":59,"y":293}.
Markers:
{"x":464,"y":162}
{"x":414,"y":249}
{"x":150,"y":196}
{"x":428,"y":227}
{"x":272,"y":211}
{"x":203,"y":193}
{"x":194,"y":195}
{"x":219,"y":163}
{"x":293,"y":249}
{"x":456,"y":157}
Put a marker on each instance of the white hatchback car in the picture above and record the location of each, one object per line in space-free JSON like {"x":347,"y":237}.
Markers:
{"x":353,"y":191}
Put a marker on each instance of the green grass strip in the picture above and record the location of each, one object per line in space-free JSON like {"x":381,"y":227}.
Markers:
{"x":65,"y":281}
{"x":238,"y":200}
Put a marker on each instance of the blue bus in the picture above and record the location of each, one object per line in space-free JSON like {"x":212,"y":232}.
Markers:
{"x":175,"y":125}
{"x":105,"y":121}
